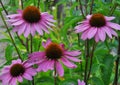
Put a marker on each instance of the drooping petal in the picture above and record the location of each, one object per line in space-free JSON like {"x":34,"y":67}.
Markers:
{"x":59,"y":68}
{"x":38,"y":29}
{"x":18,"y":22}
{"x":68,"y":63}
{"x":31,"y":71}
{"x":113,"y":25}
{"x":84,"y":35}
{"x":73,"y":58}
{"x":81,"y":28}
{"x":92,"y":32}
{"x":20,"y":31}
{"x":101,"y":34}
{"x":36,"y":57}
{"x":20,"y":79}
{"x":107,"y":30}
{"x":27,"y":31}
{"x":109,"y":18}
{"x":72,"y":53}
{"x":27,"y":76}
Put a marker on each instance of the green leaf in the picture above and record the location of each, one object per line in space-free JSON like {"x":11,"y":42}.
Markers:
{"x":97,"y":81}
{"x":8,"y":52}
{"x":106,"y":70}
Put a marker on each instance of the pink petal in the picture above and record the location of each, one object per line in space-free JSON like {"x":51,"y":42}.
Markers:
{"x":27,"y":31}
{"x":20,"y":79}
{"x":46,"y":65}
{"x":92,"y":32}
{"x":13,"y":15}
{"x":43,"y":27}
{"x":32,"y":30}
{"x":109,"y":18}
{"x":113,"y":32}
{"x":22,"y":29}
{"x":47,"y":43}
{"x":73,"y":58}
{"x":15,"y":29}
{"x":59,"y":69}
{"x":84,"y":35}
{"x":113,"y":25}
{"x":36,"y":57}
{"x":88,"y":16}
{"x":20,"y":11}
{"x":13,"y":81}
{"x":81,"y":83}
{"x":31,"y":71}
{"x":68,"y":63}
{"x":38,"y":29}
{"x":27,"y":76}
{"x":107,"y":30}
{"x":18,"y":22}
{"x":101,"y":34}
{"x":72,"y":53}
{"x":97,"y":37}
{"x":81,"y":28}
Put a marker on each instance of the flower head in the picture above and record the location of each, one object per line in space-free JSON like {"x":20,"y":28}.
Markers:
{"x":81,"y":82}
{"x":52,"y":57}
{"x":30,"y":20}
{"x":16,"y":72}
{"x":97,"y":26}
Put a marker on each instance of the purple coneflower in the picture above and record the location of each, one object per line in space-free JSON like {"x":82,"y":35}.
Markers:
{"x":16,"y":72}
{"x":53,"y":56}
{"x":97,"y":26}
{"x":30,"y":20}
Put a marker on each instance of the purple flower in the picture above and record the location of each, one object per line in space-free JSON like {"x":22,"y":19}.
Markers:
{"x":30,"y":20}
{"x":53,"y":56}
{"x":97,"y":26}
{"x":16,"y":72}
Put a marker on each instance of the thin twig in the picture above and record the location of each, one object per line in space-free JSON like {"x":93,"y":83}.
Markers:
{"x":81,"y":9}
{"x":38,"y":4}
{"x":10,"y":35}
{"x":22,"y":6}
{"x":91,"y":8}
{"x":3,"y":7}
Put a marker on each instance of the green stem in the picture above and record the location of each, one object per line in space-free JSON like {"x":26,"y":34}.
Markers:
{"x":81,"y":9}
{"x":91,"y":8}
{"x":38,"y":4}
{"x":10,"y":35}
{"x":3,"y":7}
{"x":117,"y":65}
{"x":113,"y":9}
{"x":91,"y":59}
{"x":87,"y":58}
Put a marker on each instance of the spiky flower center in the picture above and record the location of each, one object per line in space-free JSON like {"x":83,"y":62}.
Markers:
{"x":54,"y":51}
{"x":17,"y":70}
{"x":31,"y":14}
{"x":97,"y":20}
